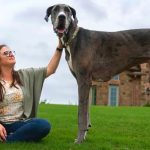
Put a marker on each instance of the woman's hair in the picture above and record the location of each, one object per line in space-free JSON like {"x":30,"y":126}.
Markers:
{"x":3,"y":45}
{"x":16,"y":79}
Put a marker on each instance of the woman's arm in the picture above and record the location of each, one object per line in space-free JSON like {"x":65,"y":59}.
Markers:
{"x":53,"y":64}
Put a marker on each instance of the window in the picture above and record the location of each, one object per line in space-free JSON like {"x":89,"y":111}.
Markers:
{"x":113,"y":95}
{"x":94,"y":95}
{"x":116,"y":77}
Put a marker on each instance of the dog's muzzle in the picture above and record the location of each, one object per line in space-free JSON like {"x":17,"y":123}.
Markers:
{"x":60,"y":28}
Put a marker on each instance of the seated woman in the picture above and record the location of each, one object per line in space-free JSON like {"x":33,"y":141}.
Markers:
{"x":19,"y":97}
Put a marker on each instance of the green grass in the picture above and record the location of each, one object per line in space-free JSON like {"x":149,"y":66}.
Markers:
{"x":113,"y":128}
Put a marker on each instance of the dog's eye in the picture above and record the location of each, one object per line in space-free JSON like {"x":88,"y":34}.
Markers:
{"x":66,"y":9}
{"x":56,"y":8}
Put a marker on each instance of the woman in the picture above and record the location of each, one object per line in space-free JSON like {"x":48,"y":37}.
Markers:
{"x":19,"y":97}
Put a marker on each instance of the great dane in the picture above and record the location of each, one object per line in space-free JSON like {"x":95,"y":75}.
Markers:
{"x":95,"y":55}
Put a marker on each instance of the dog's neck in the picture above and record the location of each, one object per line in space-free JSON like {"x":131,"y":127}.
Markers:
{"x":71,"y":34}
{"x":67,"y":40}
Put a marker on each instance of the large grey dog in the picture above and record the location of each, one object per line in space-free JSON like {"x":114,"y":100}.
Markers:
{"x":96,"y":55}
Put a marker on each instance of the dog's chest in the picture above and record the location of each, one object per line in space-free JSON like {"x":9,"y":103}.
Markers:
{"x":69,"y":57}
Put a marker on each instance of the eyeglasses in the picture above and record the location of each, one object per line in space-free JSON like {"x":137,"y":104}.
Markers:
{"x":9,"y":53}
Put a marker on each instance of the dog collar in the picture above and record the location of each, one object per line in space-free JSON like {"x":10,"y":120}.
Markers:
{"x":73,"y":36}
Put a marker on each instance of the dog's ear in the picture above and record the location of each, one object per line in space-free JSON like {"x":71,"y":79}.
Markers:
{"x":74,"y":14}
{"x":48,"y":13}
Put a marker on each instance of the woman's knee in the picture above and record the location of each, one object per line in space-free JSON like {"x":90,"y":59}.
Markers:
{"x":33,"y":130}
{"x":42,"y":125}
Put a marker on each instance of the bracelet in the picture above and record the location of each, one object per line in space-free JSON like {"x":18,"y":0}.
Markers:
{"x":59,"y":49}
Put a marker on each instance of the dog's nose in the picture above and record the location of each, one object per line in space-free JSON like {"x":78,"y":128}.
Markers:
{"x":62,"y":17}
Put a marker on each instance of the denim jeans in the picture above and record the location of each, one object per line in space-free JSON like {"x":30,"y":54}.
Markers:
{"x":29,"y":130}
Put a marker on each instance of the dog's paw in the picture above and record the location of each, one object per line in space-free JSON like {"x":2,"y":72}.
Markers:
{"x":78,"y":141}
{"x":81,"y":137}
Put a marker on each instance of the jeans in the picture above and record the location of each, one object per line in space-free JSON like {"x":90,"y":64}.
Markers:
{"x":29,"y":130}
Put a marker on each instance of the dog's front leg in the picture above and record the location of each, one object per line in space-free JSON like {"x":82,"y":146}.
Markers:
{"x":83,"y":118}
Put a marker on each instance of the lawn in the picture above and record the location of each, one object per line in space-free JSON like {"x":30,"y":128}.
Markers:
{"x":113,"y":128}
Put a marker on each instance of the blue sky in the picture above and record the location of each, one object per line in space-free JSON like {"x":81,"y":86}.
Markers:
{"x":23,"y":28}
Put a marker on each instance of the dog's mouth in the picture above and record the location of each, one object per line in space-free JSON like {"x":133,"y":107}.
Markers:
{"x":60,"y":28}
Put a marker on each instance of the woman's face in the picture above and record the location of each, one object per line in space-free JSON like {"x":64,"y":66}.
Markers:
{"x":7,"y":57}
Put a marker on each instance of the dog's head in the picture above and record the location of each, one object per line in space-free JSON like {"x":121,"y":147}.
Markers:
{"x":61,"y":17}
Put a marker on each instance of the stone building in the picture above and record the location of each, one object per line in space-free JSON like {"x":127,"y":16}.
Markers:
{"x":126,"y":89}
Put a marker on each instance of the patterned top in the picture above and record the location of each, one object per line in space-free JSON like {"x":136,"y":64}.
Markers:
{"x":11,"y":108}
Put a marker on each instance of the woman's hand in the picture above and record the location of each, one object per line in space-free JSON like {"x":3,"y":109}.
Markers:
{"x":60,"y":45}
{"x":3,"y":133}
